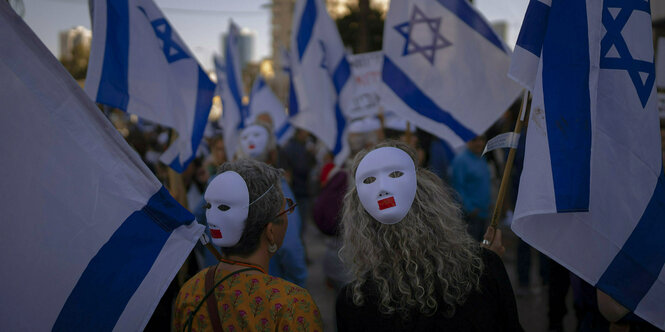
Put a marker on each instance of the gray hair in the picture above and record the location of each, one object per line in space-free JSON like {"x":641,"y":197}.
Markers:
{"x":270,"y":146}
{"x":425,"y":261}
{"x":259,"y":177}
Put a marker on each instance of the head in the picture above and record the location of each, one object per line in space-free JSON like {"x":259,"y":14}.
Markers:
{"x":245,"y":198}
{"x":257,"y":141}
{"x":419,"y":261}
{"x":217,"y":149}
{"x":265,"y":118}
{"x":477,"y":145}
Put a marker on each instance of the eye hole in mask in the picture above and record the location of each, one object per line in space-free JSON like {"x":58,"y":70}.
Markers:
{"x":207,"y":206}
{"x":223,"y":207}
{"x":369,"y":180}
{"x":396,"y":174}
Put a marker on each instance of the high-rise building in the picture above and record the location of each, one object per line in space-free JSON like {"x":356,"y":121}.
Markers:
{"x":74,"y":37}
{"x":246,"y":39}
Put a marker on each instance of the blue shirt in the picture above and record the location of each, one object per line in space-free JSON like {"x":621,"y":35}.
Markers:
{"x":471,"y":180}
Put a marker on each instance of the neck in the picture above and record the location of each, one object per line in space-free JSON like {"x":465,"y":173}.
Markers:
{"x":261,"y":261}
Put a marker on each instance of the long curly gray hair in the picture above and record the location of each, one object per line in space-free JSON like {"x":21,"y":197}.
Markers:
{"x":415,"y":264}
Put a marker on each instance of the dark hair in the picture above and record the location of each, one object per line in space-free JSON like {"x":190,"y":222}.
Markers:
{"x":259,"y":178}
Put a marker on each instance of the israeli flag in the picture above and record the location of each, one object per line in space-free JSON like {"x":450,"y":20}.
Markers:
{"x":91,"y":239}
{"x":263,"y":101}
{"x":445,"y":69}
{"x":139,"y":64}
{"x":320,"y":75}
{"x":230,"y":89}
{"x":526,"y":55}
{"x":592,"y":192}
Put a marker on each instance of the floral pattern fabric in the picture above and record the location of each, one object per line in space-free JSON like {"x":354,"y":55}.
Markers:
{"x":248,"y":302}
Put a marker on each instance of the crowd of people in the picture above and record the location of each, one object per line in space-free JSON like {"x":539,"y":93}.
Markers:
{"x":406,"y":226}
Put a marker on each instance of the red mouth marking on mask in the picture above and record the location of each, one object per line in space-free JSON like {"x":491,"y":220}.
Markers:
{"x":252,"y":146}
{"x":216,"y":233}
{"x":387,"y":203}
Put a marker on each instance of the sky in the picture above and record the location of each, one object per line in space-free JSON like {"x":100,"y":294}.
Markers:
{"x":200,"y":23}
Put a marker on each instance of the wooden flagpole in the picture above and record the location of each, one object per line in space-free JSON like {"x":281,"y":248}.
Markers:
{"x":509,"y":163}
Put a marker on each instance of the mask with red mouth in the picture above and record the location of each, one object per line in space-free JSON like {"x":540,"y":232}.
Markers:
{"x":226,"y":209}
{"x":254,"y":140}
{"x":386,"y":184}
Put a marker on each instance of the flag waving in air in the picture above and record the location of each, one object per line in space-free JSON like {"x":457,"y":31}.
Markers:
{"x":229,"y":83}
{"x":320,"y":75}
{"x":444,"y":68}
{"x":592,"y":191}
{"x":139,"y":64}
{"x":263,"y":101}
{"x":90,"y":239}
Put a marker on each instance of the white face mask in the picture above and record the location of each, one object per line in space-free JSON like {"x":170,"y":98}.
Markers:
{"x":254,"y":140}
{"x":386,"y":184}
{"x":228,"y":197}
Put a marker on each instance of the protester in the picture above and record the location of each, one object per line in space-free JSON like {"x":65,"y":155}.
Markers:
{"x":414,"y":265}
{"x":471,"y":180}
{"x":247,"y":214}
{"x":299,"y":161}
{"x":258,"y":142}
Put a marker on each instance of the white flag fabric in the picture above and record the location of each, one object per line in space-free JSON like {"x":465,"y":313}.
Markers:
{"x":230,"y":88}
{"x":139,"y":64}
{"x":660,"y":64}
{"x":320,"y":75}
{"x":263,"y":100}
{"x":592,"y":191}
{"x":445,"y":68}
{"x":91,"y":239}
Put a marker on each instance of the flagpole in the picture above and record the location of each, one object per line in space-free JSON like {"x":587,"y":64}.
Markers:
{"x":509,"y":163}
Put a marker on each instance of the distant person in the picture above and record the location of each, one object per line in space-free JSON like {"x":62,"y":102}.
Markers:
{"x":471,"y":179}
{"x":258,"y":142}
{"x":247,"y":214}
{"x":415,"y":268}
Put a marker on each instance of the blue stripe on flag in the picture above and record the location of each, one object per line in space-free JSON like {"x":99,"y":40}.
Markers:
{"x":282,"y":130}
{"x":307,"y":20}
{"x":341,"y":74}
{"x":566,"y":73}
{"x":637,"y":265}
{"x":534,"y":27}
{"x":113,"y":275}
{"x":409,"y":92}
{"x":339,"y":78}
{"x":293,"y":100}
{"x":205,"y":93}
{"x":113,"y":88}
{"x":230,"y":71}
{"x":468,"y":15}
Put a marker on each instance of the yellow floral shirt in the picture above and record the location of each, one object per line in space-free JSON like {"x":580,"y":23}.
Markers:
{"x":248,"y":302}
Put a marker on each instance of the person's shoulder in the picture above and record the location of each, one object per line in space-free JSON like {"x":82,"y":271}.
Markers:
{"x":288,"y":288}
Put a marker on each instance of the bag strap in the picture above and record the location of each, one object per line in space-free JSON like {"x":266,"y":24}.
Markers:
{"x":190,"y":319}
{"x":212,"y":300}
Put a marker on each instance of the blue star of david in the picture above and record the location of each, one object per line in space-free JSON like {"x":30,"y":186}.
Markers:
{"x":324,"y":57}
{"x":625,"y":61}
{"x":172,"y":51}
{"x":411,"y":46}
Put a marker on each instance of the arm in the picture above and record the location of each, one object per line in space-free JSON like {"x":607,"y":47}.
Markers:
{"x":508,"y":315}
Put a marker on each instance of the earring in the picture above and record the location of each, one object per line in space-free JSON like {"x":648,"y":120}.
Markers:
{"x":272,"y":248}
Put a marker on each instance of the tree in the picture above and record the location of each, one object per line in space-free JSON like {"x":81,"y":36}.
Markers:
{"x":350,"y":27}
{"x":77,"y":62}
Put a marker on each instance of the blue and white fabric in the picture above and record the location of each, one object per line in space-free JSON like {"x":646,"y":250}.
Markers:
{"x":91,"y":239}
{"x":263,"y":100}
{"x":230,"y":89}
{"x":139,"y":64}
{"x":592,"y":192}
{"x":320,"y":76}
{"x":445,"y":68}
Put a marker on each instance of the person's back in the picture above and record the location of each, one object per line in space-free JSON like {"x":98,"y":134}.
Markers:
{"x":272,"y":303}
